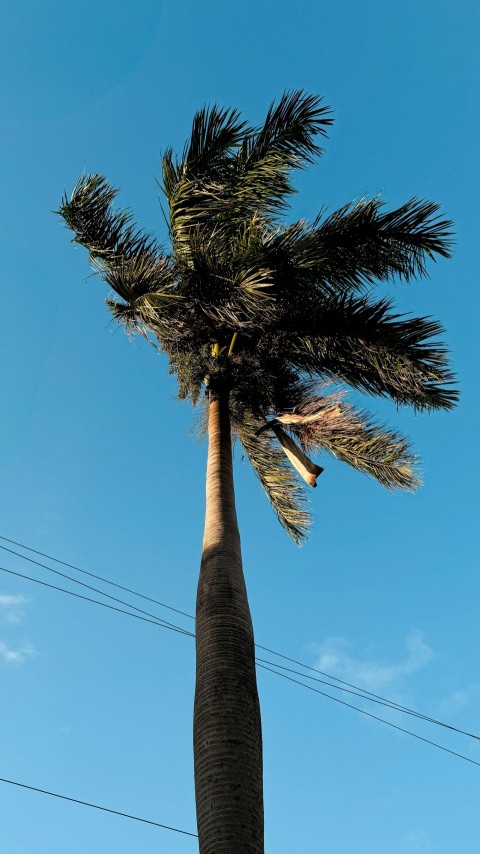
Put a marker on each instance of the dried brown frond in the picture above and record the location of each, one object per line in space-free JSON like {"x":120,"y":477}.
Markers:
{"x":284,"y":489}
{"x":327,"y":423}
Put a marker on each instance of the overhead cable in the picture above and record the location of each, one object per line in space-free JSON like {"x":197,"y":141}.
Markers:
{"x":98,"y":807}
{"x":274,"y":671}
{"x":362,"y":692}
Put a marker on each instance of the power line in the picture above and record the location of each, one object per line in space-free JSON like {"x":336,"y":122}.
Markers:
{"x":97,"y":807}
{"x":389,"y":705}
{"x":369,"y":715}
{"x":277,"y":673}
{"x":190,"y":616}
{"x":155,"y":622}
{"x":98,"y":577}
{"x":329,"y":676}
{"x":89,"y":587}
{"x":362,"y":692}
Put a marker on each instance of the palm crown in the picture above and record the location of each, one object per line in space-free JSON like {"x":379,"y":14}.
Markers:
{"x":276,"y":311}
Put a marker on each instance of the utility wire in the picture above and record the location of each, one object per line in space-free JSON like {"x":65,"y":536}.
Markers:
{"x":389,"y":704}
{"x":97,"y":807}
{"x":329,"y":676}
{"x":98,"y":577}
{"x":190,"y":616}
{"x":173,"y":627}
{"x":361,"y":692}
{"x":95,"y":589}
{"x":155,"y":622}
{"x":375,"y":717}
{"x":262,"y":663}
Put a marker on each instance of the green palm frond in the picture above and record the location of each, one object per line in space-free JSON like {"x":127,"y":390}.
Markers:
{"x":193,"y":205}
{"x":125,"y":315}
{"x":215,"y":133}
{"x":254,"y":284}
{"x":227,"y":285}
{"x":104,"y":232}
{"x":284,"y":489}
{"x":378,"y":371}
{"x":151,"y":314}
{"x":289,"y":131}
{"x":315,"y":314}
{"x":327,"y":423}
{"x":373,"y":349}
{"x":130,"y":262}
{"x":197,"y":187}
{"x":170,"y":174}
{"x":285,"y":141}
{"x":359,"y":244}
{"x":135,"y":276}
{"x":208,"y":186}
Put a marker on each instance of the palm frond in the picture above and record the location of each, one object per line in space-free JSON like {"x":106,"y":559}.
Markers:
{"x":170,"y":174}
{"x":284,"y":142}
{"x":377,"y":371}
{"x":227,"y":285}
{"x":327,"y":423}
{"x":151,"y":314}
{"x":359,"y":244}
{"x":212,"y":185}
{"x":135,"y":276}
{"x":284,"y":490}
{"x":125,"y":315}
{"x":370,"y":347}
{"x":289,"y":131}
{"x":103,"y":231}
{"x":215,"y":132}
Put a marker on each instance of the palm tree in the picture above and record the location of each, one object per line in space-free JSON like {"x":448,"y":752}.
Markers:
{"x":264,"y":316}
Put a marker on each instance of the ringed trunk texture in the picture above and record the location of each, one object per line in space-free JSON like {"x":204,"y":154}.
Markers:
{"x":227,"y":735}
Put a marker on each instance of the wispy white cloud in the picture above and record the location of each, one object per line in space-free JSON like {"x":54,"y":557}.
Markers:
{"x":336,"y":656}
{"x":12,"y":608}
{"x":15,"y":655}
{"x":416,"y":840}
{"x":459,"y":700}
{"x":12,"y":612}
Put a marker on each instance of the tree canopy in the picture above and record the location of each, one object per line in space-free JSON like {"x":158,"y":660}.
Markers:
{"x":278,"y":311}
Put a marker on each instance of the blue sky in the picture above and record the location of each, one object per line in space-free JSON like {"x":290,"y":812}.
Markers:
{"x":98,"y":465}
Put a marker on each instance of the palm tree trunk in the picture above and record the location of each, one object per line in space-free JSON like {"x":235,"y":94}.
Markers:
{"x":227,"y":728}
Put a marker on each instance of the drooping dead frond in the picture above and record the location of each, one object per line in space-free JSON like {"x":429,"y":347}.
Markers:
{"x":284,"y":490}
{"x":307,"y":470}
{"x":328,"y":423}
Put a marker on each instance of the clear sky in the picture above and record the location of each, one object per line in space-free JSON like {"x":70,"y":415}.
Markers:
{"x":98,"y":465}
